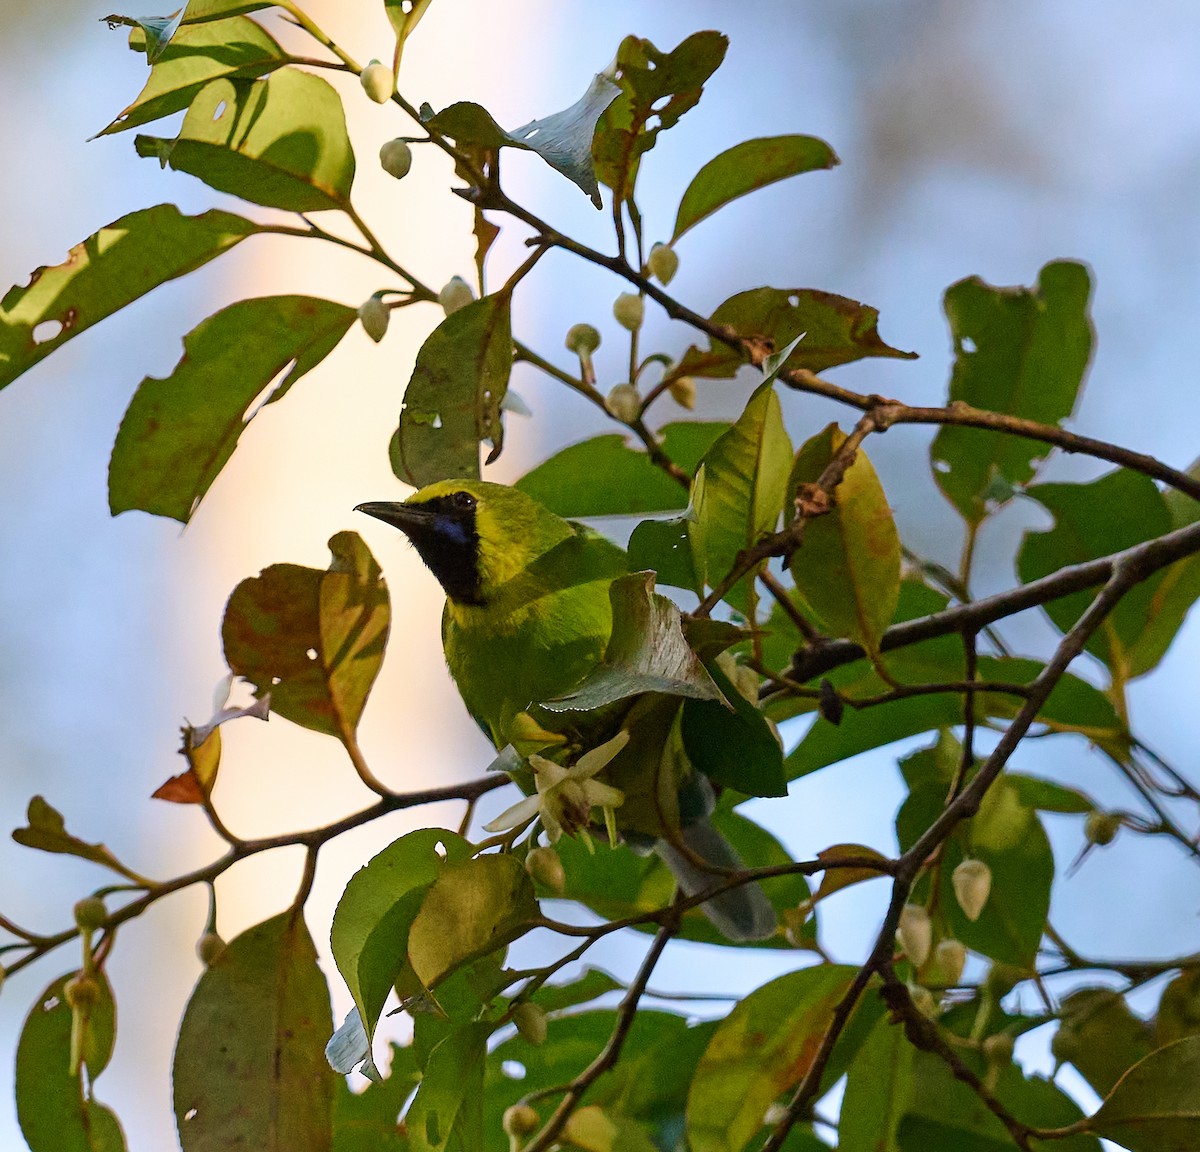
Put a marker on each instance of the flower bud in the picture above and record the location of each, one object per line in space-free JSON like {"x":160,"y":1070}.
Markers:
{"x":683,"y":392}
{"x":521,"y":1120}
{"x":624,"y":403}
{"x":951,"y":958}
{"x":395,"y":158}
{"x":590,"y":1129}
{"x":455,"y":294}
{"x":90,"y":913}
{"x":378,"y":82}
{"x":972,"y":881}
{"x":582,"y":339}
{"x":998,"y":1050}
{"x":915,"y":933}
{"x":663,"y":263}
{"x":81,"y":992}
{"x":209,"y":947}
{"x":530,"y":1020}
{"x":546,"y":867}
{"x":923,"y":1000}
{"x":1102,"y":827}
{"x":630,"y":310}
{"x":374,"y":314}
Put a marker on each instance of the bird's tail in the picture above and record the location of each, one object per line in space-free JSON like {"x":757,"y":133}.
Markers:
{"x":742,"y":913}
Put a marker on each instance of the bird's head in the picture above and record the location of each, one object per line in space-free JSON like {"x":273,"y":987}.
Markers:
{"x":473,"y":536}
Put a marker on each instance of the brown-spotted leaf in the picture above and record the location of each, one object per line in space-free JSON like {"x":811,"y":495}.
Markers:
{"x":314,"y":640}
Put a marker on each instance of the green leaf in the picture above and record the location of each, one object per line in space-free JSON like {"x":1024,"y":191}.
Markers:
{"x":1019,"y":351}
{"x":1178,"y":1014}
{"x":604,"y":476}
{"x":47,"y":832}
{"x":280,"y":142}
{"x":878,"y":1089}
{"x":1155,"y":1107}
{"x":474,"y":907}
{"x":249,"y":1067}
{"x":110,"y":269}
{"x":313,"y":640}
{"x":647,"y":652}
{"x":369,"y":934}
{"x":197,"y":54}
{"x":836,"y":331}
{"x":453,"y":400}
{"x":449,"y":1102}
{"x":664,"y":547}
{"x":1116,"y":511}
{"x":199,"y":11}
{"x":1100,"y":1035}
{"x":369,"y":1121}
{"x":1046,"y":796}
{"x":847,"y":570}
{"x":563,"y":140}
{"x":589,"y":985}
{"x":180,"y":431}
{"x":655,"y":85}
{"x":743,"y":491}
{"x":53,"y":1110}
{"x":759,"y":1051}
{"x":745,"y":167}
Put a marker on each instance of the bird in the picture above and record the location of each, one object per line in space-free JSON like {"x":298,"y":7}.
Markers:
{"x":527,"y":617}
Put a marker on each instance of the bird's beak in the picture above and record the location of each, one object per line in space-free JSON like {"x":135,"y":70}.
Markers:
{"x":406,"y":517}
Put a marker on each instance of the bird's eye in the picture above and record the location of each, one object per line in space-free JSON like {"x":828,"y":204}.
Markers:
{"x":463,"y":500}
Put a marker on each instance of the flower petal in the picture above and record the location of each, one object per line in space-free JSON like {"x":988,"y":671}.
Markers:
{"x":603,"y":795}
{"x":524,"y":809}
{"x":593,"y":760}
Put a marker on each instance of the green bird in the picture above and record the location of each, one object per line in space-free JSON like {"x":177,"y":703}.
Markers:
{"x":527,"y":617}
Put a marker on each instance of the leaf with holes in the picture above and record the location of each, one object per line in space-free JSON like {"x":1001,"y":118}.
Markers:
{"x":847,"y":569}
{"x":249,"y":1068}
{"x":107,"y":271}
{"x":280,"y":142}
{"x":179,"y":431}
{"x":655,"y":85}
{"x":53,"y":1109}
{"x":563,"y":139}
{"x":198,"y":54}
{"x":314,"y":640}
{"x":452,"y":401}
{"x":836,"y":331}
{"x":1020,"y":351}
{"x":746,"y":167}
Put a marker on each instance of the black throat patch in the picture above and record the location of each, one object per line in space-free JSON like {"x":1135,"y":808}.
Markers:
{"x":444,"y":534}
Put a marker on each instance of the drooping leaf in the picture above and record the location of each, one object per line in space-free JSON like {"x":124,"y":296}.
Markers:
{"x":314,"y":640}
{"x":449,"y":1102}
{"x":370,"y":1121}
{"x":745,"y":167}
{"x":647,"y":652}
{"x":453,"y":400}
{"x":759,"y":1051}
{"x":744,"y":487}
{"x":1019,"y":351}
{"x":280,"y":142}
{"x":473,"y":907}
{"x":837,"y":331}
{"x":604,"y":476}
{"x":878,"y":1090}
{"x":107,"y":271}
{"x":563,"y":139}
{"x":847,"y":570}
{"x":249,"y":1068}
{"x":47,"y":832}
{"x":1100,"y":1035}
{"x":656,"y":89}
{"x":53,"y":1110}
{"x":369,"y":934}
{"x":198,"y":53}
{"x":1116,"y":511}
{"x":180,"y":431}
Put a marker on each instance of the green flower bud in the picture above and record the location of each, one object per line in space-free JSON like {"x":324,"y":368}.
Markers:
{"x":582,"y":339}
{"x":395,"y":158}
{"x":531,"y":1022}
{"x":683,"y":392}
{"x":81,"y":992}
{"x":546,"y":867}
{"x":915,"y":933}
{"x":374,"y":314}
{"x":663,"y":263}
{"x":1102,"y":827}
{"x":521,"y":1120}
{"x":378,"y":82}
{"x":972,"y":881}
{"x":998,"y":1050}
{"x":951,"y":958}
{"x":924,"y":1001}
{"x":455,"y":294}
{"x":590,"y":1129}
{"x":209,"y":947}
{"x":630,"y":310}
{"x":624,"y":403}
{"x":90,"y":913}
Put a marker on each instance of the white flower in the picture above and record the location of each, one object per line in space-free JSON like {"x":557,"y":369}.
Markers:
{"x":566,"y":796}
